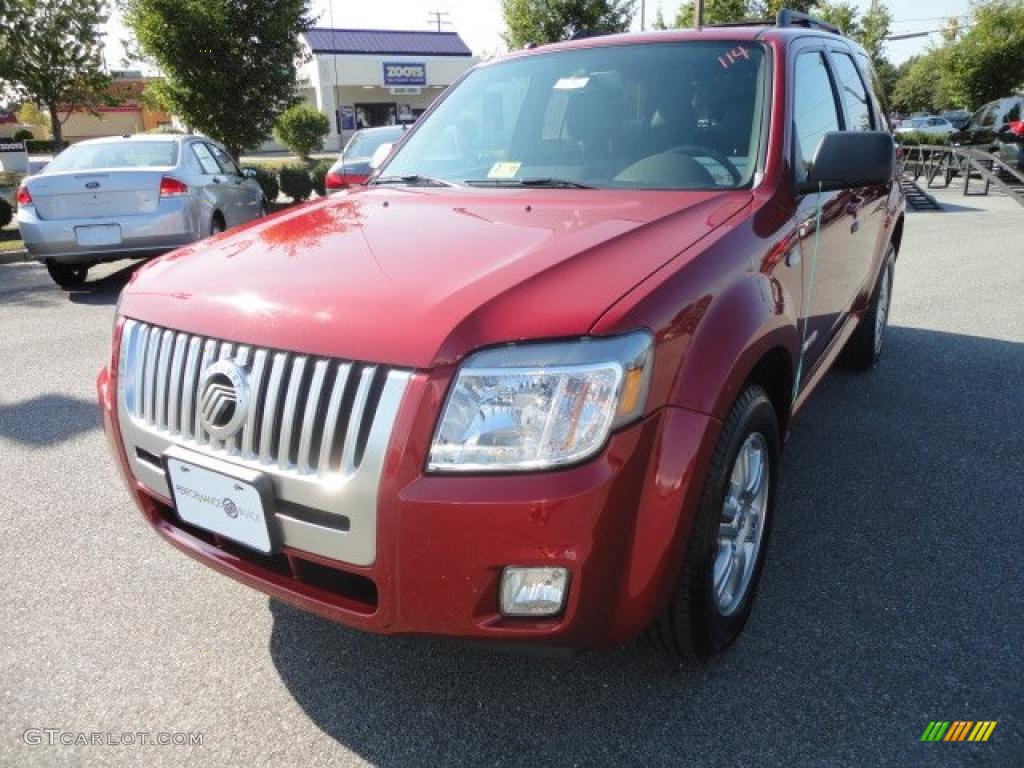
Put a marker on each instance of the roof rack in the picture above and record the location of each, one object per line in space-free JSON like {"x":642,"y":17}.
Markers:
{"x":788,"y":18}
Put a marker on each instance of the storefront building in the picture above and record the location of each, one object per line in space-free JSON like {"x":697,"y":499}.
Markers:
{"x":362,"y":78}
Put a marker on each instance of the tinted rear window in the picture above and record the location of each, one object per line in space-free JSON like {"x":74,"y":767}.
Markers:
{"x":363,"y":145}
{"x":121,"y":154}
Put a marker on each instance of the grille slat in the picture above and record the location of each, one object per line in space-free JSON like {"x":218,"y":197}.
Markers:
{"x":149,"y":385}
{"x":162,"y":374}
{"x":256,"y":391}
{"x":307,"y":415}
{"x":209,"y":350}
{"x":333,"y":414}
{"x":188,"y":387}
{"x":355,"y":419}
{"x":284,"y":443}
{"x":174,"y":393}
{"x":270,"y":407}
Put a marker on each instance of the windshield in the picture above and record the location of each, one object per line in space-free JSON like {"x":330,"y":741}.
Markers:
{"x":121,"y":154}
{"x":652,"y":116}
{"x":364,"y":143}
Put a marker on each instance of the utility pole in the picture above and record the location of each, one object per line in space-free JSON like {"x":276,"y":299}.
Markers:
{"x":698,"y":13}
{"x":437,"y":17}
{"x":643,"y":15}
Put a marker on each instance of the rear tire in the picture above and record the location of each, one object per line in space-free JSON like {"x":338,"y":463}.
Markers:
{"x":217,"y":224}
{"x":864,"y":347}
{"x":705,"y":613}
{"x":67,"y":275}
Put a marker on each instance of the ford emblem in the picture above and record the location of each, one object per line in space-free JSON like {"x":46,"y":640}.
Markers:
{"x":92,"y":185}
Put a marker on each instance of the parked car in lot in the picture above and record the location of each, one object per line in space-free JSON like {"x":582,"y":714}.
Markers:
{"x":985,"y":124}
{"x":1011,"y":137}
{"x":931,"y":125}
{"x":958,"y":118}
{"x":531,"y":384}
{"x":132,"y":196}
{"x":355,"y":164}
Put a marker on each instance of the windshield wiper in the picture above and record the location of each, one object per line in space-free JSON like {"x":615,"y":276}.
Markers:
{"x":413,"y":180}
{"x":549,"y":183}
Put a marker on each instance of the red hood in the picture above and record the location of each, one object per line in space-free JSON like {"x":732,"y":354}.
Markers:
{"x":418,"y":277}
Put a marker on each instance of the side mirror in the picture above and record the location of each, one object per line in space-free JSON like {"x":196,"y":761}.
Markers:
{"x":249,"y":173}
{"x":380,"y":155}
{"x":848,"y":159}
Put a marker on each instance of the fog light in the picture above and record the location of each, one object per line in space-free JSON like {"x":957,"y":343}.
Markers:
{"x":533,"y":591}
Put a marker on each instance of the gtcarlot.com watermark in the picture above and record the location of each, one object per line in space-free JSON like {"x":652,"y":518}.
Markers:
{"x":58,"y":737}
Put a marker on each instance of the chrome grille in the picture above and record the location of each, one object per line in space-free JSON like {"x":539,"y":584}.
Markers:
{"x":310,"y":415}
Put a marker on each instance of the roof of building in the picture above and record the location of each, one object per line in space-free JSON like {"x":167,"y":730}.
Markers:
{"x":389,"y":42}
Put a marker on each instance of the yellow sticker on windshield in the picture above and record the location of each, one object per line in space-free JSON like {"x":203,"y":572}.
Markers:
{"x":503,"y":171}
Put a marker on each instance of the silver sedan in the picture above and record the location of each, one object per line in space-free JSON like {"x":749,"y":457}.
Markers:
{"x":129,"y":197}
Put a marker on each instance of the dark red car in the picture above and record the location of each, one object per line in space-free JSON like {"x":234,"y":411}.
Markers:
{"x":356,"y":162}
{"x":530,"y":384}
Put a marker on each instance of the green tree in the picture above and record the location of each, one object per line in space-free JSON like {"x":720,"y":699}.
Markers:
{"x":987,"y":62}
{"x":30,"y":114}
{"x":548,"y":21}
{"x":872,"y":29}
{"x":228,"y":65}
{"x":843,"y":15}
{"x":51,"y":54}
{"x":301,"y":128}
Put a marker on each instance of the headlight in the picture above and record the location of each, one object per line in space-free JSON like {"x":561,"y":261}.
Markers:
{"x":537,"y":406}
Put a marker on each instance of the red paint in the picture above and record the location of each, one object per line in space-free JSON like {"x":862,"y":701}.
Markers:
{"x":422,"y":277}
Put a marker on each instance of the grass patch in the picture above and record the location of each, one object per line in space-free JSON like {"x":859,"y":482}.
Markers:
{"x":10,"y":240}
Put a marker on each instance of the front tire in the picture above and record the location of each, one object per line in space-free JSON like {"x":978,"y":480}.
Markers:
{"x":67,"y":275}
{"x":864,"y":347}
{"x":726,"y":551}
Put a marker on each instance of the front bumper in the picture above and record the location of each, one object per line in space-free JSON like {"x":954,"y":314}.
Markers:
{"x":618,"y":523}
{"x":171,"y":226}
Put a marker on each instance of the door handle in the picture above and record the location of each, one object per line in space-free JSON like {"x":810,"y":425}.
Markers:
{"x":216,"y":179}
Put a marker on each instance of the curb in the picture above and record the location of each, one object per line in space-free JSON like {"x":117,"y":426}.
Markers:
{"x":13,"y":257}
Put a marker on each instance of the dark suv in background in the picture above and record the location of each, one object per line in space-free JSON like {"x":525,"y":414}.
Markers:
{"x":984,"y":128}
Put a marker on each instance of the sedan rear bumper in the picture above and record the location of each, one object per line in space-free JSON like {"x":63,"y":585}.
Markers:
{"x":172,"y":225}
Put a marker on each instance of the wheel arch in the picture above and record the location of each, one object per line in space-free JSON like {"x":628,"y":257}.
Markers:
{"x":748,"y":334}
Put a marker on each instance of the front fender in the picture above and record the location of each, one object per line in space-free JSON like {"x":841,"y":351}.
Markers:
{"x":738,"y":328}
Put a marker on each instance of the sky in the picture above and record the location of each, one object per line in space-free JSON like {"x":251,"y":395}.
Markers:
{"x":480,"y":24}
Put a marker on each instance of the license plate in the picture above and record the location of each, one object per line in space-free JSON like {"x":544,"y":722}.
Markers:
{"x":222,"y":498}
{"x":98,"y":234}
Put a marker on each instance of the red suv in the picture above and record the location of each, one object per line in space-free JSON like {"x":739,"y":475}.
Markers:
{"x":530,"y":385}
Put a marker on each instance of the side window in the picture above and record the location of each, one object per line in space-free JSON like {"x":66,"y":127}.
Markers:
{"x":853,"y":92}
{"x":227,"y":165}
{"x":1013,"y":115}
{"x":877,"y":91}
{"x":989,"y":118}
{"x":814,"y":109}
{"x":209,"y":165}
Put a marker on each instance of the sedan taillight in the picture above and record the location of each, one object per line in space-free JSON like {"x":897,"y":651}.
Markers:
{"x":24,"y":196}
{"x":334,"y":181}
{"x":1016,"y":127}
{"x":171,"y":187}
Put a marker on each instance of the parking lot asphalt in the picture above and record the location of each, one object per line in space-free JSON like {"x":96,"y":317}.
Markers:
{"x":893,"y":594}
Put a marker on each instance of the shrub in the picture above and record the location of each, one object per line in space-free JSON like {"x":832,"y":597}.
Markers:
{"x":296,"y":182}
{"x":267,"y":181}
{"x":39,"y":146}
{"x":301,"y":128}
{"x":6,"y":213}
{"x":319,"y":176}
{"x":22,"y":134}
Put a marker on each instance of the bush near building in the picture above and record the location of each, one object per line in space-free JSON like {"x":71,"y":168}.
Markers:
{"x":319,"y":176}
{"x":296,"y":182}
{"x":267,"y":181}
{"x":302,"y":129}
